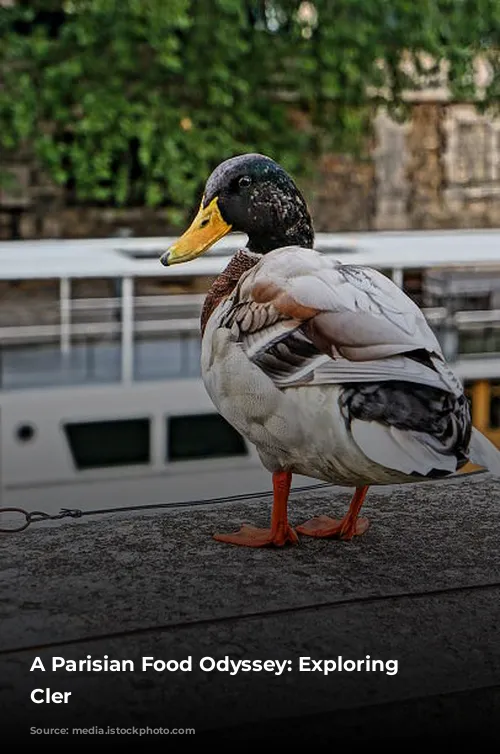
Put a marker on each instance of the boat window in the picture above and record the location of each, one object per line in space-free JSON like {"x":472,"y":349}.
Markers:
{"x":198,"y":436}
{"x":101,"y":444}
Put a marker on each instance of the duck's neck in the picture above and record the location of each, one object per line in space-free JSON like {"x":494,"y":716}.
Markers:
{"x":297,"y":233}
{"x":226,"y":282}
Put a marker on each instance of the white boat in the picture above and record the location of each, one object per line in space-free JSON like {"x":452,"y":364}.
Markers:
{"x":104,"y":405}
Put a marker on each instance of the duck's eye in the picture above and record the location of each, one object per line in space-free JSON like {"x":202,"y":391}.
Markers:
{"x":244,"y":181}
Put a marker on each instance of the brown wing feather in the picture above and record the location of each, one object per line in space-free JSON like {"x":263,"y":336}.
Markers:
{"x":269,"y":294}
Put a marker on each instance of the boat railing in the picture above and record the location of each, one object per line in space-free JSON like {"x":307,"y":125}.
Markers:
{"x":479,"y":318}
{"x":38,"y":333}
{"x":436,"y":316}
{"x":172,"y":302}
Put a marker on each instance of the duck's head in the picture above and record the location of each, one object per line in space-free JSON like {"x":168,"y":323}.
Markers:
{"x":249,"y":194}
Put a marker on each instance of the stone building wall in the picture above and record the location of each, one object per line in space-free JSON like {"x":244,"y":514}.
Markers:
{"x":438,"y":170}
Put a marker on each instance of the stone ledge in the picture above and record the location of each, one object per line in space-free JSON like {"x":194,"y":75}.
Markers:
{"x":421,"y":586}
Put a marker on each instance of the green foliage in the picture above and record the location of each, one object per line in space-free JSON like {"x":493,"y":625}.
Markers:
{"x":135,"y":101}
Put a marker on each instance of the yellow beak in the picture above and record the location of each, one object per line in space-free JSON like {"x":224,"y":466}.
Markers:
{"x":207,"y":227}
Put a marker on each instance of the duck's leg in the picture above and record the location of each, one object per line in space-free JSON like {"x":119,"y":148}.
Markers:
{"x":324,"y":526}
{"x":280,"y":532}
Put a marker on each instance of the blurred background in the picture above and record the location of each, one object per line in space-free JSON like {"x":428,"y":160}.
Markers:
{"x":113,"y":114}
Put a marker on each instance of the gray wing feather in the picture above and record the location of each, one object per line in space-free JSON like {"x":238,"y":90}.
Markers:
{"x":323,"y":370}
{"x":405,"y":451}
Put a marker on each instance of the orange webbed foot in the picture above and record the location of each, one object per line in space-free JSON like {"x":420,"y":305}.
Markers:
{"x":347,"y":528}
{"x":280,"y":533}
{"x":324,"y":526}
{"x":251,"y":536}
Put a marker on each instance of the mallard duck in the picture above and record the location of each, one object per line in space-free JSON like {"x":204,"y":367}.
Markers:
{"x":329,"y":369}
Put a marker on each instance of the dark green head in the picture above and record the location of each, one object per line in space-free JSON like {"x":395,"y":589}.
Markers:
{"x":250,"y":194}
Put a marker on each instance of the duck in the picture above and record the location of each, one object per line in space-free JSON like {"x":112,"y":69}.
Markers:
{"x":329,"y":369}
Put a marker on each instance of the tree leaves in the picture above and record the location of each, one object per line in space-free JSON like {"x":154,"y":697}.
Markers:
{"x":135,"y":101}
